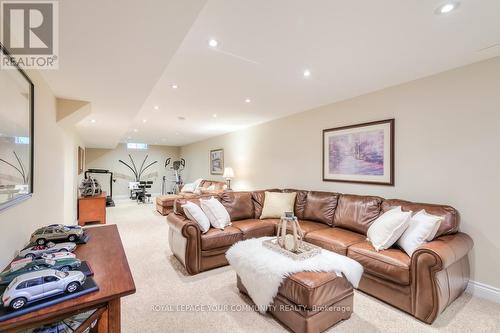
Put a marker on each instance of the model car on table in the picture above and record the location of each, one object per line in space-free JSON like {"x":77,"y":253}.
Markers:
{"x":37,"y":285}
{"x":36,"y":251}
{"x":57,"y":232}
{"x":58,"y":255}
{"x":64,"y":265}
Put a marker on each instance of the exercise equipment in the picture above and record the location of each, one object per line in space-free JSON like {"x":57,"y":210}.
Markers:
{"x":138,"y":189}
{"x":109,"y":197}
{"x":133,"y":168}
{"x":177,"y":167}
{"x":142,"y":195}
{"x":90,"y":187}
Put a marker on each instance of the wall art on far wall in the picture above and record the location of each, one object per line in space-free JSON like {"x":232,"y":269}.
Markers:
{"x":362,"y":153}
{"x":217,"y":162}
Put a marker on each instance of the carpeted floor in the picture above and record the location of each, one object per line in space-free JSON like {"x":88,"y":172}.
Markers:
{"x":167,"y":297}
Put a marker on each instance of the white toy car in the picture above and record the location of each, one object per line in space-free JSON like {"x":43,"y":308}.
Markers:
{"x":37,"y":285}
{"x":58,"y":255}
{"x":36,"y":251}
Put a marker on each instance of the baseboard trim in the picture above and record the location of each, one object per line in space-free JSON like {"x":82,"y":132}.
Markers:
{"x":485,"y":291}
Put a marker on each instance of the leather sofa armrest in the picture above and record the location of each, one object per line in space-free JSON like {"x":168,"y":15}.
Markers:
{"x":181,"y":224}
{"x":447,"y":249}
{"x":440,"y":273}
{"x":185,"y":241}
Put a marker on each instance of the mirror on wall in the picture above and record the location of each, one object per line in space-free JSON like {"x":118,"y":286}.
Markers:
{"x":16,"y":135}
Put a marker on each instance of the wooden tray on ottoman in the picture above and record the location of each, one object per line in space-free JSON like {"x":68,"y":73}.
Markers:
{"x":306,"y":250}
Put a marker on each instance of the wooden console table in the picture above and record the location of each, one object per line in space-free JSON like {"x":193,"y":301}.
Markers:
{"x":92,"y":209}
{"x":104,"y":252}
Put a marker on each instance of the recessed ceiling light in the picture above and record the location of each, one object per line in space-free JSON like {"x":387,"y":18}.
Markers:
{"x":93,"y":121}
{"x":214,"y":115}
{"x":156,"y":107}
{"x":144,"y":120}
{"x":248,"y":100}
{"x":181,"y":118}
{"x":174,"y":86}
{"x":136,"y":130}
{"x":213,"y":43}
{"x":177,"y":133}
{"x":447,"y":7}
{"x":307,"y":73}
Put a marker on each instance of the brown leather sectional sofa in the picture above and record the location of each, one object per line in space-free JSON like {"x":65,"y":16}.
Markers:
{"x":422,"y":285}
{"x":165,"y":203}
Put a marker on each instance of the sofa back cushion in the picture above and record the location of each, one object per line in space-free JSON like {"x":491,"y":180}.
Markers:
{"x":451,"y":219}
{"x":300,"y":202}
{"x":320,"y":207}
{"x":357,"y":212}
{"x":239,"y":205}
{"x":258,"y":201}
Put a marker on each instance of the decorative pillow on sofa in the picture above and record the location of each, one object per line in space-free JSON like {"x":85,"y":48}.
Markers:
{"x":422,"y":229}
{"x":189,"y":188}
{"x":216,"y":213}
{"x":276,"y":204}
{"x":388,"y":227}
{"x":194,"y":213}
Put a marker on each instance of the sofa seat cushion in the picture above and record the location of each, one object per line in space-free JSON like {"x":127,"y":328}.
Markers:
{"x":391,"y":264}
{"x":253,"y":228}
{"x":312,"y":289}
{"x":216,"y":238}
{"x":334,"y":239}
{"x":310,"y":226}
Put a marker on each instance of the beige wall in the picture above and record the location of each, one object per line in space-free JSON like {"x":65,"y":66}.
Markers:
{"x":447,"y":150}
{"x":108,"y":159}
{"x":54,"y":197}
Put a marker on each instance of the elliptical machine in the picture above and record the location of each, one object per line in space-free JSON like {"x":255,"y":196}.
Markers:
{"x":177,"y":167}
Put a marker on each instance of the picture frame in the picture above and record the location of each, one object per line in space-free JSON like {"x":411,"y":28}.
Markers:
{"x":81,"y":160}
{"x":17,"y":135}
{"x":217,"y":162}
{"x":360,"y":153}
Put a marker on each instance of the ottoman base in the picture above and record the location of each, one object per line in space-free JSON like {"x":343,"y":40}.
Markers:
{"x":311,"y":318}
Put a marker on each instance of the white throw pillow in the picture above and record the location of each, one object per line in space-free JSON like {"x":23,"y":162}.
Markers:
{"x":423,"y":228}
{"x":190,"y":187}
{"x":387,"y":228}
{"x":197,"y":183}
{"x":276,"y":204}
{"x":216,"y":213}
{"x":195,"y":213}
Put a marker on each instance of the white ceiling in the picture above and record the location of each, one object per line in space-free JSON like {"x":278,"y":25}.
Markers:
{"x":112,"y":53}
{"x":128,"y":58}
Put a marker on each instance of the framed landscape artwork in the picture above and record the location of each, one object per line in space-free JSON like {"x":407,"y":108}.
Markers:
{"x":217,"y":162}
{"x":362,"y":153}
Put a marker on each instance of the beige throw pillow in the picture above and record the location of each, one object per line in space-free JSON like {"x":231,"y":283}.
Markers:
{"x":276,"y":204}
